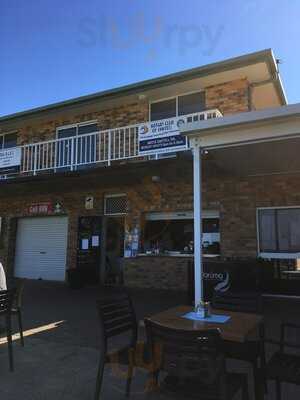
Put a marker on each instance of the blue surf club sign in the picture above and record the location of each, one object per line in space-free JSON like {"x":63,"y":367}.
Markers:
{"x":162,"y":136}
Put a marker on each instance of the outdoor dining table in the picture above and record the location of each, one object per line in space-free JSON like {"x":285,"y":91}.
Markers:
{"x":240,"y":326}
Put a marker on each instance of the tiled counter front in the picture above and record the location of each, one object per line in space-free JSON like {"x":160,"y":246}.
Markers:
{"x":157,"y":272}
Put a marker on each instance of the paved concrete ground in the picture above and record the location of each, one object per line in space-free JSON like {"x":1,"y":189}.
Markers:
{"x":59,"y":360}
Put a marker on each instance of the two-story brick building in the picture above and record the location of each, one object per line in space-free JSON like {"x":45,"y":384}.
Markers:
{"x":77,"y":183}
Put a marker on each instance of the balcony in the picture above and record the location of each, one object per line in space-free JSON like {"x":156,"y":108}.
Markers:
{"x":100,"y":148}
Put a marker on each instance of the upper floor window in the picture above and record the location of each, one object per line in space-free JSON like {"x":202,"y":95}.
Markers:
{"x":191,"y":103}
{"x":180,"y":105}
{"x":163,"y":109}
{"x":279,"y":230}
{"x":78,"y":129}
{"x":83,"y":151}
{"x":8,"y":140}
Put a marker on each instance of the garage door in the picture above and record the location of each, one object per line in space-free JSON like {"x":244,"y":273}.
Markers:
{"x":41,"y":248}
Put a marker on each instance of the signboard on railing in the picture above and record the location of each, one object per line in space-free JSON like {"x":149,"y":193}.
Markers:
{"x":10,"y":158}
{"x":162,"y":136}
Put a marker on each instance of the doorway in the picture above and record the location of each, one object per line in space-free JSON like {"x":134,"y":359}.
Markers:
{"x":89,"y":248}
{"x":100,"y":247}
{"x":114,"y":249}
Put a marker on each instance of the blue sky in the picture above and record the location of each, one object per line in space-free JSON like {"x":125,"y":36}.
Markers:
{"x":60,"y":49}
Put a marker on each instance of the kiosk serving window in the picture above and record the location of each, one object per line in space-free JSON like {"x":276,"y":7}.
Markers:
{"x":174,"y":232}
{"x":279,"y":230}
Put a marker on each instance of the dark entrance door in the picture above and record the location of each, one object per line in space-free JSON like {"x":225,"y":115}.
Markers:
{"x":114,"y":249}
{"x":89,"y":248}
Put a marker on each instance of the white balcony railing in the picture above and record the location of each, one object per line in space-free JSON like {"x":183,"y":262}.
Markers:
{"x":101,"y":147}
{"x":78,"y":151}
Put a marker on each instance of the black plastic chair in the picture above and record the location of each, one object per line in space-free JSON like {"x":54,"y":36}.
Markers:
{"x":6,"y":302}
{"x":252,"y":352}
{"x":194,"y":363}
{"x":117,"y":317}
{"x":285,"y":366}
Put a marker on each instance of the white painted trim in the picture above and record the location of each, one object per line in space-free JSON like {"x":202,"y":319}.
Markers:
{"x":180,"y":215}
{"x":239,"y":119}
{"x":276,"y":208}
{"x":280,"y":256}
{"x":93,"y":121}
{"x":251,"y":141}
{"x":115,"y":195}
{"x":9,"y":132}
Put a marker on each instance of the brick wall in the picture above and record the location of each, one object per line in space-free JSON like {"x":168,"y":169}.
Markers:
{"x":156,"y":272}
{"x":173,"y":192}
{"x":241,"y":197}
{"x":122,"y":116}
{"x":230,"y":97}
{"x":236,"y":198}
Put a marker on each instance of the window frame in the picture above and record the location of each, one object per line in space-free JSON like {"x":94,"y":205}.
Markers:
{"x":2,"y":135}
{"x":113,"y":195}
{"x":173,"y":97}
{"x":275,"y":254}
{"x":183,"y":215}
{"x":75,"y":125}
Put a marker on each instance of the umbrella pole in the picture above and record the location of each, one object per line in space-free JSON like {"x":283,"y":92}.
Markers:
{"x":197,"y":152}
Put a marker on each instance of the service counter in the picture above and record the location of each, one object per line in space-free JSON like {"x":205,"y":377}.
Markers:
{"x":157,"y":271}
{"x":176,"y":272}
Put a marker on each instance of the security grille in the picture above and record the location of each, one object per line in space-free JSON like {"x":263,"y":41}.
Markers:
{"x":115,"y":204}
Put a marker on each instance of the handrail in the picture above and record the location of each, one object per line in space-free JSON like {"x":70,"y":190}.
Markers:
{"x":98,"y":147}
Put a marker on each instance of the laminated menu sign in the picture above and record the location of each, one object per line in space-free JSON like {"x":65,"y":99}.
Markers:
{"x":131,"y":243}
{"x":162,"y":136}
{"x":95,"y":241}
{"x":84,"y":244}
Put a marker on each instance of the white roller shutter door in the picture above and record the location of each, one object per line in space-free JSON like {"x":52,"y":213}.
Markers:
{"x":41,"y":248}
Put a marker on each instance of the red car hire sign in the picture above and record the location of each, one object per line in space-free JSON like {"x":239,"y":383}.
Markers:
{"x":40,"y":208}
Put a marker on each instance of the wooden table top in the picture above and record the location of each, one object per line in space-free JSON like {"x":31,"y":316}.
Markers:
{"x":239,"y":328}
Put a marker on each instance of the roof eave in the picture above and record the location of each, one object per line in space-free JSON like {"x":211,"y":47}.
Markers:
{"x":233,"y":63}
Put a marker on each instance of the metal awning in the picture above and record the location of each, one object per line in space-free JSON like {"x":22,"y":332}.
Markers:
{"x":256,"y":143}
